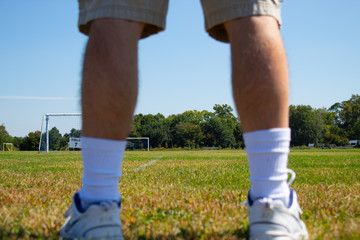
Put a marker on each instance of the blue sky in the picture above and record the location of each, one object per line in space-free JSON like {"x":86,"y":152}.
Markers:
{"x":180,"y":69}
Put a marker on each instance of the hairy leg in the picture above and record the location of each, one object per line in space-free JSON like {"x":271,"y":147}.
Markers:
{"x":110,"y":78}
{"x":260,"y":87}
{"x":259,"y":73}
{"x":109,"y":92}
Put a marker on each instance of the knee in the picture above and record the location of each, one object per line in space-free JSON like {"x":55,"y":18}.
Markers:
{"x":245,"y":27}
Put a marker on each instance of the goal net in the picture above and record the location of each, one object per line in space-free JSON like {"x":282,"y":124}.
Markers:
{"x":62,"y":131}
{"x":57,"y":129}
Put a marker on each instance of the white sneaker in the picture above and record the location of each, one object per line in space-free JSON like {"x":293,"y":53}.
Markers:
{"x":98,"y":221}
{"x":271,"y":219}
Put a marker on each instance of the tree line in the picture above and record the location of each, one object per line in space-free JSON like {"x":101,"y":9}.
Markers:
{"x":336,"y":125}
{"x":57,"y":141}
{"x":220,"y":128}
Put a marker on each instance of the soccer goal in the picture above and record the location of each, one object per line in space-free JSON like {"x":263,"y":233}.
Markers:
{"x":8,"y":147}
{"x":57,"y":129}
{"x":62,"y":131}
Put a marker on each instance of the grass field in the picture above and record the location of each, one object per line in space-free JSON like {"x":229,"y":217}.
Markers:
{"x":178,"y":194}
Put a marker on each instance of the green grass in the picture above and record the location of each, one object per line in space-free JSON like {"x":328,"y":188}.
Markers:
{"x":184,"y":195}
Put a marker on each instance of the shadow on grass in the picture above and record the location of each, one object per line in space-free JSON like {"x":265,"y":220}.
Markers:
{"x":22,"y":233}
{"x":190,"y":234}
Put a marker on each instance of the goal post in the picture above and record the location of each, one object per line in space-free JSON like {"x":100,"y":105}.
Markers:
{"x":8,"y":147}
{"x":57,"y":128}
{"x":61,"y":132}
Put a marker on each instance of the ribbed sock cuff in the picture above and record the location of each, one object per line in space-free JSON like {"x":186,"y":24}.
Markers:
{"x":102,"y":160}
{"x":267,"y":152}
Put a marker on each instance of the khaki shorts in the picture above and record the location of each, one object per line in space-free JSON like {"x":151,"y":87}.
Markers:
{"x":153,"y":13}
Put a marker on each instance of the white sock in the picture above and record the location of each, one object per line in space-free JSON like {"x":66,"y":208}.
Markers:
{"x":102,"y":160}
{"x":267,"y":152}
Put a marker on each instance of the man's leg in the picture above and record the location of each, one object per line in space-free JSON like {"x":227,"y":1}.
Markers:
{"x":109,"y":92}
{"x":260,"y":88}
{"x":110,"y":78}
{"x":259,"y":73}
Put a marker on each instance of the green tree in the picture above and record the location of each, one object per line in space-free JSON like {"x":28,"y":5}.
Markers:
{"x":4,"y":136}
{"x":136,"y":126}
{"x":238,"y":134}
{"x":18,"y":141}
{"x":223,"y":110}
{"x":188,"y":134}
{"x":307,"y":125}
{"x":319,"y":125}
{"x":347,"y":116}
{"x":335,"y":135}
{"x":218,"y":133}
{"x":185,"y":129}
{"x":75,"y":133}
{"x":232,"y":130}
{"x":31,"y":141}
{"x":152,"y":126}
{"x":54,"y":139}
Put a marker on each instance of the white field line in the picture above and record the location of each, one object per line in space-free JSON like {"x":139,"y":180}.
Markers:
{"x":148,"y":164}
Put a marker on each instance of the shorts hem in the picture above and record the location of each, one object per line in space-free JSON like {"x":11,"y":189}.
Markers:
{"x":215,"y":20}
{"x":155,"y":21}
